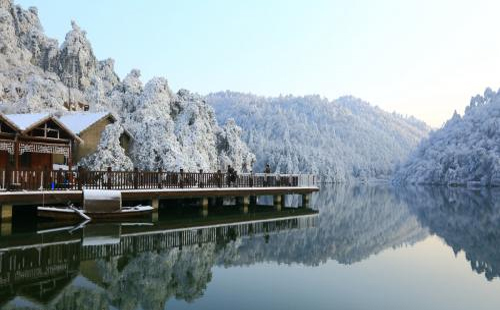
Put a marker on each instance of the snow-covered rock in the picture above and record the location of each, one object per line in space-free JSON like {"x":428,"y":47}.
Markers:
{"x":338,"y":140}
{"x":109,"y":152}
{"x":170,"y":130}
{"x":232,"y":150}
{"x":465,"y":151}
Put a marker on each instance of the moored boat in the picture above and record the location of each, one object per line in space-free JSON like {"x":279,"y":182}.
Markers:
{"x":67,"y":213}
{"x":101,"y":205}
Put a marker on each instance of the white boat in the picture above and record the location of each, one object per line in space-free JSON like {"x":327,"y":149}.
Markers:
{"x":100,"y":205}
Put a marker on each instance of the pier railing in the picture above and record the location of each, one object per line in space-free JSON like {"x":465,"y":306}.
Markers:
{"x":16,"y":180}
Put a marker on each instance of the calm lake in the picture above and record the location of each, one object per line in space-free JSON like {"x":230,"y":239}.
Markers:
{"x":366,"y":247}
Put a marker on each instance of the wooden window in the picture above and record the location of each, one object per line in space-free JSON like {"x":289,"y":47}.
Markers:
{"x":25,"y":160}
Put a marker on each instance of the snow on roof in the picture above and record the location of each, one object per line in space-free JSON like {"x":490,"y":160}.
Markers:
{"x":23,"y":302}
{"x":23,"y":121}
{"x":78,"y":122}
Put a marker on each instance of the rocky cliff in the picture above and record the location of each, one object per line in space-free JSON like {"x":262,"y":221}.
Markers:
{"x":171,"y":130}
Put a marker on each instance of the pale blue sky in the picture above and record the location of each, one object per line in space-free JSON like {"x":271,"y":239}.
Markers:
{"x":422,"y":58}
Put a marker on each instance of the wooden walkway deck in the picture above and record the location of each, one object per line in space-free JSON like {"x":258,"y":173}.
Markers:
{"x":34,"y":188}
{"x":58,"y":197}
{"x":49,"y":187}
{"x":59,"y":180}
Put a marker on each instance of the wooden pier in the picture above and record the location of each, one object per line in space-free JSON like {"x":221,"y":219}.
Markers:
{"x":59,"y":180}
{"x":42,"y":187}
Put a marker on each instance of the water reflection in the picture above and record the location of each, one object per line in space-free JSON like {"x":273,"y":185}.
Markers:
{"x":467,"y":220}
{"x":128,"y":266}
{"x":141,"y":266}
{"x":354,"y":223}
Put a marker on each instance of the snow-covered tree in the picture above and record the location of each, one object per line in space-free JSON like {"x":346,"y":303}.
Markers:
{"x":466,"y":150}
{"x":338,"y":140}
{"x":109,"y":152}
{"x":170,"y":130}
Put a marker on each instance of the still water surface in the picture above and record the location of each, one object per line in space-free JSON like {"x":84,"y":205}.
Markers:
{"x":370,"y":247}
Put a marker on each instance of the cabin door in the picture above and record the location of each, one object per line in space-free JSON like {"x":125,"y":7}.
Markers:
{"x":4,"y":159}
{"x":40,"y":161}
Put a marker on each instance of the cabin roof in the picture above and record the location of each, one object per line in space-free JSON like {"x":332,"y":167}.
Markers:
{"x":24,"y":121}
{"x":9,"y":123}
{"x":74,"y":122}
{"x":79,"y":121}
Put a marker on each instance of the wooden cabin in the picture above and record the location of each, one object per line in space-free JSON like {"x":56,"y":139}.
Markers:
{"x":35,"y":142}
{"x":42,"y":141}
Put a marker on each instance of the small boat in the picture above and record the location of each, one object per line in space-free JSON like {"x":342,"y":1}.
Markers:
{"x":101,"y":205}
{"x":69,"y":213}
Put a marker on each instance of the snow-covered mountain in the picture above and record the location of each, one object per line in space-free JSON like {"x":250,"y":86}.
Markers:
{"x":338,"y":140}
{"x":466,"y":150}
{"x":171,"y":130}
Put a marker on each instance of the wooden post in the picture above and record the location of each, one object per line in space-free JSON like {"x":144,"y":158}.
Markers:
{"x":84,"y":177}
{"x":47,"y":181}
{"x":277,"y":202}
{"x":6,"y":214}
{"x":79,"y":177}
{"x":8,"y":175}
{"x":204,"y":205}
{"x":201,"y":184}
{"x":16,"y":154}
{"x":60,"y":179}
{"x":155,"y":203}
{"x":160,"y":176}
{"x":136,"y":178}
{"x":6,"y":219}
{"x":305,"y":200}
{"x":70,"y":156}
{"x":69,"y":178}
{"x":219,"y":178}
{"x":181,"y":181}
{"x":246,"y":202}
{"x":109,"y":178}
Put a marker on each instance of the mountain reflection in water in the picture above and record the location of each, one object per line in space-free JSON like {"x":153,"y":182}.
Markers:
{"x":354,"y":223}
{"x":467,"y":220}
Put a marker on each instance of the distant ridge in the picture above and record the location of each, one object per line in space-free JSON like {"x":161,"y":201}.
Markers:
{"x":339,"y":140}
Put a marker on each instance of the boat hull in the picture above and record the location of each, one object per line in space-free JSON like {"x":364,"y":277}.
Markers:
{"x":66,"y":214}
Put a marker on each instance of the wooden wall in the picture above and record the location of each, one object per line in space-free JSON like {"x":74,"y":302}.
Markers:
{"x":4,"y":159}
{"x":40,"y":161}
{"x":91,"y":137}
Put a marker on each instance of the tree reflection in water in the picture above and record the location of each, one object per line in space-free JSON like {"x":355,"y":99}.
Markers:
{"x":355,"y":222}
{"x":467,"y":220}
